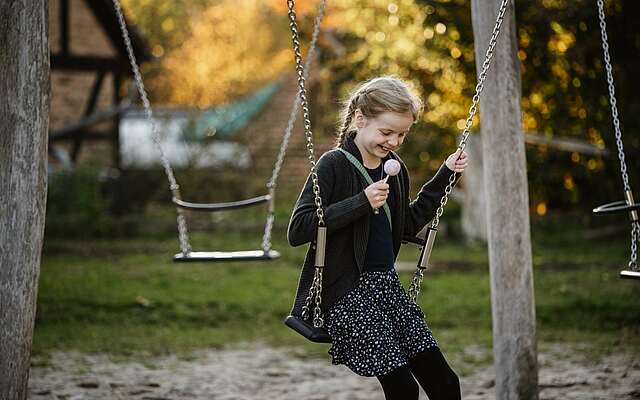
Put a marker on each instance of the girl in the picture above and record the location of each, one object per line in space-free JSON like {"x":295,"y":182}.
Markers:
{"x":375,"y":328}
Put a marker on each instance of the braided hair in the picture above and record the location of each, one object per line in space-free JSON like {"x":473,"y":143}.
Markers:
{"x":373,"y":97}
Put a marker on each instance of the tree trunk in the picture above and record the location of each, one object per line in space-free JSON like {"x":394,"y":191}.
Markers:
{"x":24,"y":120}
{"x":507,"y":197}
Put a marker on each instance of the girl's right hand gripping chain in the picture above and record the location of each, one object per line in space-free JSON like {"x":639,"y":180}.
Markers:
{"x":377,"y":193}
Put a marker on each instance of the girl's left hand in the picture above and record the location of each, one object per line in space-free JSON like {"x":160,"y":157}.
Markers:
{"x":457,"y":162}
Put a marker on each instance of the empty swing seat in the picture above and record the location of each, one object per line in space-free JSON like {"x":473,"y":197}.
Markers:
{"x":621,"y":207}
{"x":628,"y":274}
{"x":213,"y":207}
{"x":222,"y":256}
{"x":616,"y":207}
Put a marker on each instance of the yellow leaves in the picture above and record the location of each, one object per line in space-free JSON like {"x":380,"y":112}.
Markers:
{"x":225,"y":57}
{"x":562,"y":39}
{"x":168,"y":25}
{"x":428,"y":33}
{"x":568,"y":182}
{"x":157,"y":51}
{"x":541,"y":208}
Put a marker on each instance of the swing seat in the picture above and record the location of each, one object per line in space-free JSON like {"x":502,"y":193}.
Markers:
{"x":213,"y":207}
{"x":228,"y":256}
{"x":616,"y":207}
{"x":317,"y":335}
{"x":628,"y":274}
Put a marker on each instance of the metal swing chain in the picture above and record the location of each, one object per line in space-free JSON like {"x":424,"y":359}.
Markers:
{"x":266,"y":239}
{"x":316,"y":286}
{"x":183,"y":233}
{"x":635,"y":226}
{"x":418,"y":276}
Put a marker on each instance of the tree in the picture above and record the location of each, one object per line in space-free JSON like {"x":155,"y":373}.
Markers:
{"x":24,"y":119}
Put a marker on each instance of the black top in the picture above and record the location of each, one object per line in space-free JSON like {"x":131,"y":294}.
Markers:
{"x":347,"y":214}
{"x":379,"y":255}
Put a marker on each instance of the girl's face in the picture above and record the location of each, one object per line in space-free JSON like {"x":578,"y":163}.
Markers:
{"x":378,"y":135}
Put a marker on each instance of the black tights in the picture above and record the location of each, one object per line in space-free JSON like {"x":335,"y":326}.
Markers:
{"x":433,"y":373}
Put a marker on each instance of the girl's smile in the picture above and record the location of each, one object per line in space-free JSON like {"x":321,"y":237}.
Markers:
{"x":378,"y":136}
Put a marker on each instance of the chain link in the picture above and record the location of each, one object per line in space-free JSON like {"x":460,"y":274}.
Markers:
{"x":635,"y":236}
{"x":416,"y":284}
{"x":315,"y":292}
{"x":635,"y":226}
{"x":418,"y":276}
{"x":474,"y":105}
{"x":266,"y":238}
{"x":293,"y":25}
{"x":612,"y":94}
{"x":183,"y":233}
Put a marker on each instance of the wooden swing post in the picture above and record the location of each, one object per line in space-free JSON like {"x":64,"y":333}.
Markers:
{"x":505,"y":176}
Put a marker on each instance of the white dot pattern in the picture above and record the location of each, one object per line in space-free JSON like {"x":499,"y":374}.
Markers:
{"x":376,"y":328}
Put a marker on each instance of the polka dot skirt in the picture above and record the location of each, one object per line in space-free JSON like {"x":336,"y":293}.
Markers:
{"x":376,"y":328}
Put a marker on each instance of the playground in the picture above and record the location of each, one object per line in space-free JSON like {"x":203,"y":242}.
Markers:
{"x":149,"y":246}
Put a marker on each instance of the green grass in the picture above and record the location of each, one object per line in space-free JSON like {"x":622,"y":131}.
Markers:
{"x":126,"y":296}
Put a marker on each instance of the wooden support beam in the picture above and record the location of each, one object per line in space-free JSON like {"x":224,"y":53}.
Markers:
{"x":507,"y":204}
{"x":565,"y":144}
{"x":91,"y":105}
{"x":64,"y":27}
{"x":88,"y":135}
{"x":69,"y":131}
{"x":86,"y":63}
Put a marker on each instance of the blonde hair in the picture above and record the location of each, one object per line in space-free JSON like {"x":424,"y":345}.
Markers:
{"x":375,"y":96}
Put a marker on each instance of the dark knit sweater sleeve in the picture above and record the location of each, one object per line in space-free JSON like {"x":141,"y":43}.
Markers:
{"x":304,"y":220}
{"x":422,"y":210}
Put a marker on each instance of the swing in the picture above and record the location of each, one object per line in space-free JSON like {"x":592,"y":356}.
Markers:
{"x":627,"y":205}
{"x":314,"y":330}
{"x":186,"y":255}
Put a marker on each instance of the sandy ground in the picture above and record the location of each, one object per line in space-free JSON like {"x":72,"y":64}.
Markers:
{"x":259,"y":372}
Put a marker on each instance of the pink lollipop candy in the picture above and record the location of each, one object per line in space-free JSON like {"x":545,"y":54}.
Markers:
{"x":391,"y":168}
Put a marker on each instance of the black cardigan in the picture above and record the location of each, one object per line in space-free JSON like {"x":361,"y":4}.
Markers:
{"x":346,"y":216}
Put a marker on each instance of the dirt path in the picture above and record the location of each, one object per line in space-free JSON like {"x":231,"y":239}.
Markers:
{"x":260,"y":372}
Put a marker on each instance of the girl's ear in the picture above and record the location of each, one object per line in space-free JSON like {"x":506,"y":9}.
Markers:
{"x":359,"y":118}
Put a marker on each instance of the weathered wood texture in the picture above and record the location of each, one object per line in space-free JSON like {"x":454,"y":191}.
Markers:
{"x":473,"y":216}
{"x":24,"y":116}
{"x":505,"y":174}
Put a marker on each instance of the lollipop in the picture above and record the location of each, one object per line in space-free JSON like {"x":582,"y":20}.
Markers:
{"x":391,"y":168}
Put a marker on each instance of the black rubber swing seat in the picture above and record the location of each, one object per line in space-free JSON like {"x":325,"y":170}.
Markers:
{"x":213,"y":207}
{"x":228,"y":256}
{"x":628,"y":274}
{"x":316,"y":335}
{"x":615,"y":208}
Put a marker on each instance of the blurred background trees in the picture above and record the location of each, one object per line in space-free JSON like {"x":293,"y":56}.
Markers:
{"x":211,"y":52}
